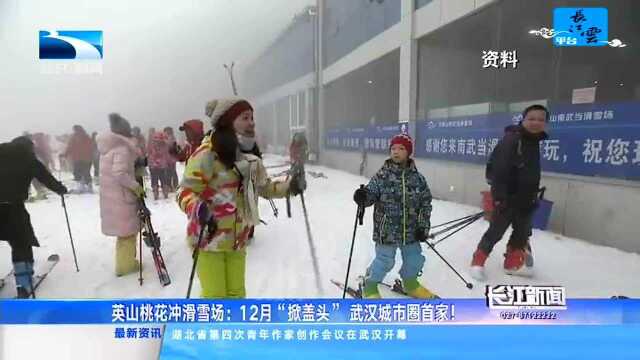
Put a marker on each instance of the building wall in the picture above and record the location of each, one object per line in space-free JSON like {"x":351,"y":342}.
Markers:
{"x":600,"y":210}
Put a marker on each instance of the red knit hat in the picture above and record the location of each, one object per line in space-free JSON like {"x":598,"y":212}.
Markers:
{"x":404,"y":140}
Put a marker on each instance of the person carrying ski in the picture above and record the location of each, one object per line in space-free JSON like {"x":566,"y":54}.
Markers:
{"x":219,"y":187}
{"x":194,"y":132}
{"x":119,"y":192}
{"x":18,"y":167}
{"x":402,"y":219}
{"x":514,"y":173}
{"x":80,"y":152}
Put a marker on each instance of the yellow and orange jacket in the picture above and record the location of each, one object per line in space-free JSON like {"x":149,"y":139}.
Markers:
{"x":232,"y":195}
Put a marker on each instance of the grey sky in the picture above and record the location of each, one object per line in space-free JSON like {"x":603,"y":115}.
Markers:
{"x":162,"y":59}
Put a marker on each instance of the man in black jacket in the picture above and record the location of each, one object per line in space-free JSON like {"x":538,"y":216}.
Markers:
{"x":18,"y":167}
{"x":515,"y":180}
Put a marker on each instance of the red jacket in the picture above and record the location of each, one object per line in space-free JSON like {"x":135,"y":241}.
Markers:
{"x":158,"y":152}
{"x":196,"y":132}
{"x":80,"y":148}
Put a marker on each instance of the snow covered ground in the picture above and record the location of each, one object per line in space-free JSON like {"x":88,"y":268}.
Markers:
{"x":279,"y":263}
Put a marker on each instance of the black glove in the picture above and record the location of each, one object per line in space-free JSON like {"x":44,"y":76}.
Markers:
{"x":141,"y":162}
{"x":206,"y":218}
{"x":422,"y":234}
{"x":297,"y":186}
{"x":174,"y":149}
{"x":360,"y":196}
{"x":62,"y":190}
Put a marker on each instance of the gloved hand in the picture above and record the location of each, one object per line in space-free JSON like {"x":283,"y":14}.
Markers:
{"x":174,"y":149}
{"x":500,"y":206}
{"x":360,"y":196}
{"x":62,"y":190}
{"x":296,"y":186}
{"x":138,"y":191}
{"x":203,"y":213}
{"x":141,"y":162}
{"x":204,"y":218}
{"x":421,"y":234}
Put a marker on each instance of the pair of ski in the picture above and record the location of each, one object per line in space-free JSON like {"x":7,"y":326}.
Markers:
{"x":39,"y":277}
{"x":357,"y":293}
{"x":152,"y":240}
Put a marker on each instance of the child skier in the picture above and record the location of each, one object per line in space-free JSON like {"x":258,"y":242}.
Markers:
{"x":402,"y":218}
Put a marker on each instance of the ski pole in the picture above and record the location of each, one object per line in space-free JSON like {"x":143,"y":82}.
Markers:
{"x":359,"y":220}
{"x":467,"y":284}
{"x":194,"y":256}
{"x":458,"y":220}
{"x":140,"y":278}
{"x":312,"y":248}
{"x":73,"y":248}
{"x":457,"y":225}
{"x":274,"y":208}
{"x":459,"y":229}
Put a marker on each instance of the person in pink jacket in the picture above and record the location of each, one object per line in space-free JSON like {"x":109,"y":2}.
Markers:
{"x":119,"y":192}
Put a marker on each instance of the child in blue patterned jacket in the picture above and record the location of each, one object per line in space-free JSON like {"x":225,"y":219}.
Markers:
{"x":402,"y":213}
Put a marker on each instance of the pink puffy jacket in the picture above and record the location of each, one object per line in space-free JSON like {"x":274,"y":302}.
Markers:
{"x":118,"y":204}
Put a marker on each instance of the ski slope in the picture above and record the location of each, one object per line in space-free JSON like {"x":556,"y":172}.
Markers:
{"x":279,"y":263}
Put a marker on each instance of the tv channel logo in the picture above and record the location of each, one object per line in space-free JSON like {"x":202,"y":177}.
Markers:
{"x":71,"y":45}
{"x":581,"y":26}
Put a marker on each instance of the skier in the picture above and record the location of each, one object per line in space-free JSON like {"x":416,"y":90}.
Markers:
{"x":218,"y":186}
{"x":194,"y":132}
{"x":18,"y":167}
{"x":245,"y":128}
{"x":299,"y":148}
{"x":172,"y":174}
{"x":402,"y":219}
{"x":80,"y":152}
{"x":119,"y":192}
{"x":514,"y":174}
{"x":159,"y":159}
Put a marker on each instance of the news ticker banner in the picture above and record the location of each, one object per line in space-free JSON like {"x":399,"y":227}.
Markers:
{"x":504,"y":304}
{"x":339,"y":328}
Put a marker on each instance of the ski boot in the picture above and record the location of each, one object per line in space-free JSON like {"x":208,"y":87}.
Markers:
{"x":515,"y":263}
{"x":126,"y":262}
{"x":23,"y":272}
{"x":368,"y":290}
{"x":477,"y":265}
{"x":415,"y":290}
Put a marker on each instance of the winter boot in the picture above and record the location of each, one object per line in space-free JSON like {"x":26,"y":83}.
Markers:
{"x":370,"y":291}
{"x":126,"y":262}
{"x":165,"y":192}
{"x":89,"y":188}
{"x":477,"y":264}
{"x":415,"y":290}
{"x":514,"y":262}
{"x":23,"y":272}
{"x":156,"y":194}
